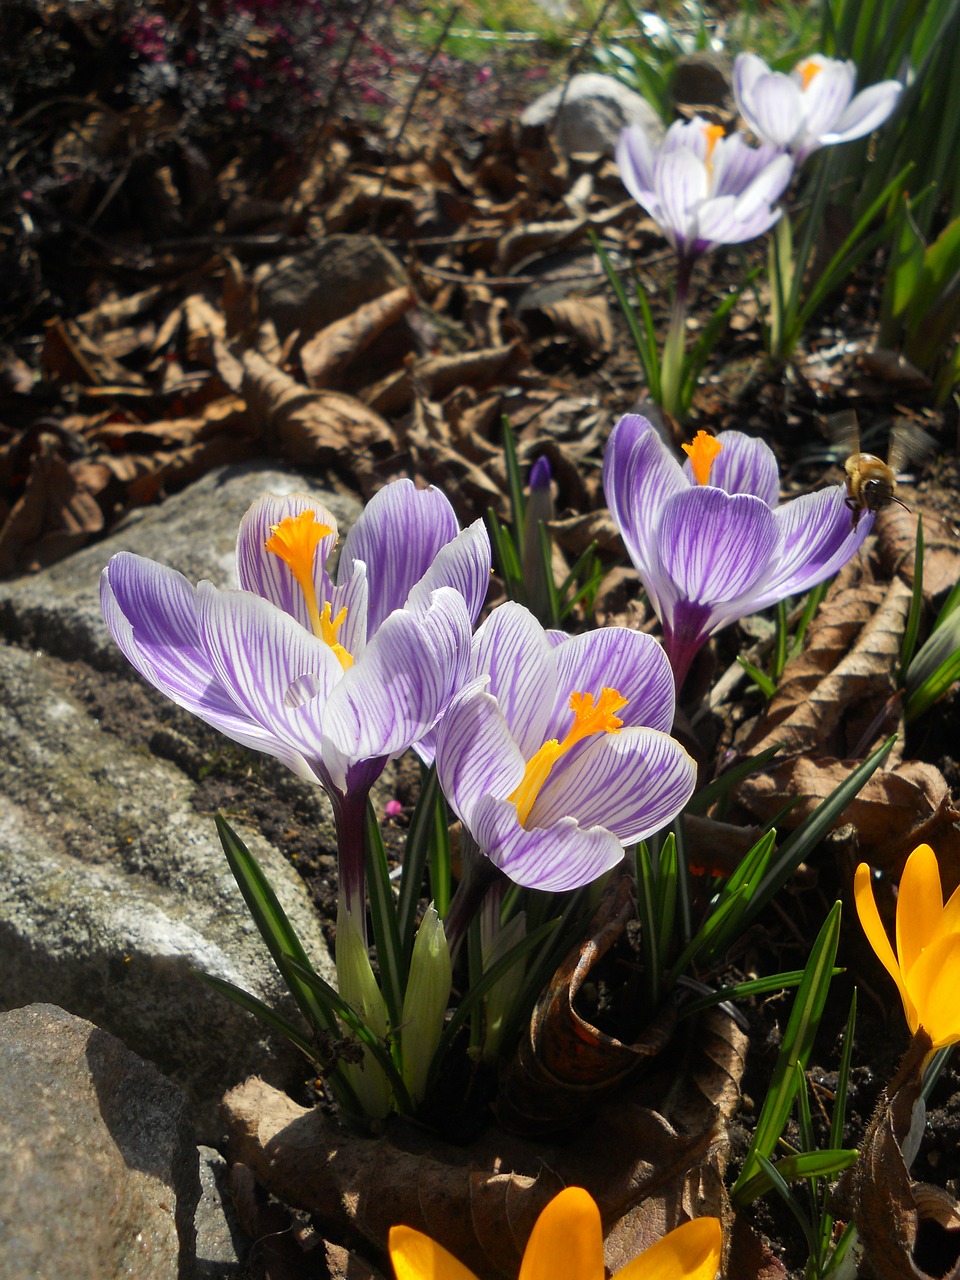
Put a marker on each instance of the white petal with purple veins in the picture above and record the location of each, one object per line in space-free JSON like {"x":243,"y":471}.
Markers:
{"x":826,"y":97}
{"x":744,"y":465}
{"x":776,"y":108}
{"x":818,"y":539}
{"x":866,"y":112}
{"x":635,"y":160}
{"x":553,"y":859}
{"x":258,"y":652}
{"x":263,"y":572}
{"x":632,"y":782}
{"x":682,"y":187}
{"x":715,"y":546}
{"x":398,"y":536}
{"x":464,"y":564}
{"x":512,"y":649}
{"x":476,"y":753}
{"x":615,"y":657}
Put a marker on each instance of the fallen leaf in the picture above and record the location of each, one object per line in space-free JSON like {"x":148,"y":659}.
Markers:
{"x":329,"y":353}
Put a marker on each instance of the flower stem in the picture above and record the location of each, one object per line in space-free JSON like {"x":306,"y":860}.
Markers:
{"x":674,"y":346}
{"x":349,"y":814}
{"x":477,"y":877}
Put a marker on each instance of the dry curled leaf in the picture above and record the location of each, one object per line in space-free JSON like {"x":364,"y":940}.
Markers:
{"x":586,"y":320}
{"x":331,"y":351}
{"x":481,"y":1201}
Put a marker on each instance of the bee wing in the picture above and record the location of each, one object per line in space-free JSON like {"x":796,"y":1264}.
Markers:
{"x":843,"y":431}
{"x":908,"y":443}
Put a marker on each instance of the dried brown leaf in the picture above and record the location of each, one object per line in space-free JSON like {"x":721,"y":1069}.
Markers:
{"x":896,"y":531}
{"x":55,"y":514}
{"x":537,"y":237}
{"x":312,"y":426}
{"x":587,"y":320}
{"x":330,"y":352}
{"x":836,"y":709}
{"x":439,"y":375}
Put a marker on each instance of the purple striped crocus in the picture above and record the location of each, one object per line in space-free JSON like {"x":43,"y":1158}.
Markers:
{"x":333,"y":677}
{"x":559,"y":753}
{"x":703,"y":188}
{"x":814,"y":106}
{"x":709,"y":540}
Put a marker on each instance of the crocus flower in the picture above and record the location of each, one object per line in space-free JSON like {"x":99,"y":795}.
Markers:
{"x":567,"y":1241}
{"x":331,"y":677}
{"x":814,"y":106}
{"x":708,"y":539}
{"x":926,"y":967}
{"x":559,"y":753}
{"x":700,"y":187}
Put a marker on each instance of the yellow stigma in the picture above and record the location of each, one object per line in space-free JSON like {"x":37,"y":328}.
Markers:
{"x":701,"y":453}
{"x":588,"y":718}
{"x":713,"y":134}
{"x":807,"y":70}
{"x":295,"y":541}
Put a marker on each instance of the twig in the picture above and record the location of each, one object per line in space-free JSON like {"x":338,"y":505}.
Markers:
{"x":394,"y":145}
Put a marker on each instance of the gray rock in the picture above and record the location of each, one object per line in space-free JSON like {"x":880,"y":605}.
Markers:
{"x":331,"y":279}
{"x":222,"y":1248}
{"x":595,"y":109}
{"x":98,"y":1163}
{"x":113,"y":885}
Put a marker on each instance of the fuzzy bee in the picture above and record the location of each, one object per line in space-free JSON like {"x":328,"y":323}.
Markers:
{"x":871,"y":482}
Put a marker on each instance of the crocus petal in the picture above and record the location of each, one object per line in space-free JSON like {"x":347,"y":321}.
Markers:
{"x":919,"y":907}
{"x":826,"y":97}
{"x":933,"y":983}
{"x":554,"y":859}
{"x":639,"y":475}
{"x":151,"y":612}
{"x":409,"y":671}
{"x":513,"y":650}
{"x":463,"y":564}
{"x":819,"y":537}
{"x":635,"y":160}
{"x":352,"y":593}
{"x":417,"y":1257}
{"x":876,"y":935}
{"x":476,"y":754}
{"x":744,"y":465}
{"x":258,"y":651}
{"x":632,"y":782}
{"x":567,"y":1240}
{"x":615,"y":657}
{"x":398,"y":536}
{"x":682,"y":187}
{"x":689,"y":1252}
{"x":263,"y":572}
{"x":747,"y":70}
{"x":866,"y":112}
{"x":776,"y":108}
{"x":715,"y":546}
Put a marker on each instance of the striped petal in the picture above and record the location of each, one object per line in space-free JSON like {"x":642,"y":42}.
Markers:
{"x":151,"y":612}
{"x":818,"y":539}
{"x":258,"y":652}
{"x":464,"y":564}
{"x":826,"y":97}
{"x":682,"y":187}
{"x":713,"y":546}
{"x":635,"y":157}
{"x":263,"y":572}
{"x":776,"y":109}
{"x":744,"y":465}
{"x":406,"y":676}
{"x":866,"y":112}
{"x":554,"y":859}
{"x":567,"y":1240}
{"x":633,"y":783}
{"x":513,"y":650}
{"x":476,"y":754}
{"x":614,"y":657}
{"x":398,"y":536}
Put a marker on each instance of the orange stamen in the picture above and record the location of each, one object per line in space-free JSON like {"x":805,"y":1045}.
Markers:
{"x":807,"y":71}
{"x":713,"y":133}
{"x":295,"y":541}
{"x":588,"y":718}
{"x":701,"y":453}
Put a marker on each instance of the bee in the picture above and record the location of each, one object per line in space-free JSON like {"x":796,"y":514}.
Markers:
{"x":871,"y":482}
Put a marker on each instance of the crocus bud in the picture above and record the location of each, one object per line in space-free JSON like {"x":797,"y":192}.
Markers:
{"x":499,"y":1003}
{"x":536,"y":565}
{"x":425,"y":1002}
{"x":359,"y":988}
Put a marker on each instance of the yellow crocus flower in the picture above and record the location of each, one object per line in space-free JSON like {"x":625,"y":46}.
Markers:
{"x":567,"y":1240}
{"x":926,"y":967}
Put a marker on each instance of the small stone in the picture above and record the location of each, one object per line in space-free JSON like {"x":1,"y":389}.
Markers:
{"x":595,"y":109}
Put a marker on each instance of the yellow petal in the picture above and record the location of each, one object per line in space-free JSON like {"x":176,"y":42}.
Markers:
{"x":567,"y":1240}
{"x":951,"y":914}
{"x":877,"y":937}
{"x":919,"y":906}
{"x":934,"y":982}
{"x":417,"y":1257}
{"x":689,"y":1252}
